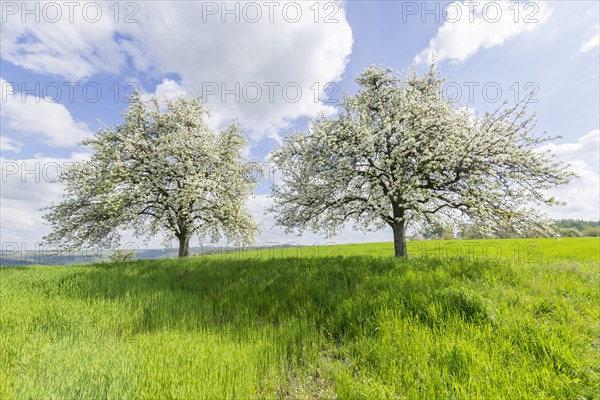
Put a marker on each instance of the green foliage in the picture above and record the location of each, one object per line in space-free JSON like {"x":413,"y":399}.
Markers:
{"x":569,"y":232}
{"x":564,"y":228}
{"x":471,"y":231}
{"x":438,"y":231}
{"x":356,"y":324}
{"x":433,"y":232}
{"x":578,"y":224}
{"x":591,"y":231}
{"x":577,"y":228}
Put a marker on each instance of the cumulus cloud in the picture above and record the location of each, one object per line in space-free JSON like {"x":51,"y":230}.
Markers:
{"x":472,"y":26}
{"x":265,"y":64}
{"x":592,"y":43}
{"x":583,"y":194}
{"x":169,"y":89}
{"x":31,"y":115}
{"x":74,"y":48}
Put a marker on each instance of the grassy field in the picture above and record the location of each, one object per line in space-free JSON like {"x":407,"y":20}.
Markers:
{"x":503,"y":319}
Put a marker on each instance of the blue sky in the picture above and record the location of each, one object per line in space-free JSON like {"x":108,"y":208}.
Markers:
{"x":86,"y":58}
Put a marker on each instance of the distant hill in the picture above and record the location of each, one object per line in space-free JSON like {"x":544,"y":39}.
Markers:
{"x":50,"y":257}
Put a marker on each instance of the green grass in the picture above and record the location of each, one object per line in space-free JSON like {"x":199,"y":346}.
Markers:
{"x":519,"y":250}
{"x":522,"y":322}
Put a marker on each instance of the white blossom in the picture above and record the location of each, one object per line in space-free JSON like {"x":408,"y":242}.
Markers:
{"x":162,"y":170}
{"x":399,"y":154}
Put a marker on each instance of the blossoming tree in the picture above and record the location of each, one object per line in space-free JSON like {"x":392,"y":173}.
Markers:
{"x":161,"y":170}
{"x":398,"y":153}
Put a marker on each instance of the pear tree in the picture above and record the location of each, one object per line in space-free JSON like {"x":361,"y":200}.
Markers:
{"x":160,"y":171}
{"x":399,"y":154}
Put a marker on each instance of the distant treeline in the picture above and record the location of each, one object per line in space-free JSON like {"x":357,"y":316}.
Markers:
{"x":577,"y":228}
{"x":564,"y":227}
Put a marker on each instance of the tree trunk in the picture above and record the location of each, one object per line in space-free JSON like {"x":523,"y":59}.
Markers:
{"x":399,"y":239}
{"x":184,"y":246}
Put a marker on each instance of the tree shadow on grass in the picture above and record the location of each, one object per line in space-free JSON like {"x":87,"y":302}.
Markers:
{"x":340,"y":296}
{"x":200,"y":292}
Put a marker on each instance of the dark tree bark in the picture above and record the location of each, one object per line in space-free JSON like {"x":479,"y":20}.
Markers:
{"x":184,"y":245}
{"x":399,"y":230}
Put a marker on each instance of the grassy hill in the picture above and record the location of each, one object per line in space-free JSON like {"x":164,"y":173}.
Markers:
{"x":490,"y":319}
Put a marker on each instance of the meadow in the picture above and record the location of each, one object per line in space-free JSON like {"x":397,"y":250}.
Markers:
{"x":509,"y":319}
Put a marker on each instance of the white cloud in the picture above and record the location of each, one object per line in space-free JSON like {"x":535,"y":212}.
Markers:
{"x":583,"y":194}
{"x":74,"y":48}
{"x":274,"y":55}
{"x":9,"y":145}
{"x":32,"y":115}
{"x":472,"y":26}
{"x":168,"y":89}
{"x":245,"y":70}
{"x":591,"y":44}
{"x":27,"y":186}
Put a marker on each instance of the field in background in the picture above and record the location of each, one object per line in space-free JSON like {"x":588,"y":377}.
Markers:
{"x":517,"y":249}
{"x":458,"y":319}
{"x":520,"y":250}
